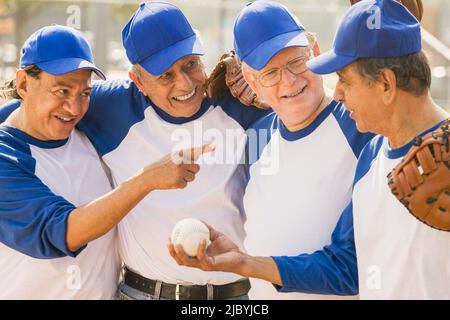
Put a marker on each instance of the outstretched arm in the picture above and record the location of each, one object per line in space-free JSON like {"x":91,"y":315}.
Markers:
{"x":41,"y":224}
{"x":223,"y":255}
{"x":96,"y":218}
{"x":331,"y":270}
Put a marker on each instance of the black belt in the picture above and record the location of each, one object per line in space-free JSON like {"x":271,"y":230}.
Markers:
{"x":186,"y":292}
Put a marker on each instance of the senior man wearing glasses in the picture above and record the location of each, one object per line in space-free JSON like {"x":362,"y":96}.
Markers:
{"x":301,"y":171}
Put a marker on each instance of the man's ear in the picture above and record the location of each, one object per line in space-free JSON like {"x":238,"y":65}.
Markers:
{"x":313,"y":43}
{"x":21,"y":83}
{"x":316,"y":48}
{"x":137,"y":81}
{"x":388,"y":82}
{"x":249,"y":78}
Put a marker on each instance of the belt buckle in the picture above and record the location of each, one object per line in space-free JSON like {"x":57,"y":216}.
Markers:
{"x":177,"y":292}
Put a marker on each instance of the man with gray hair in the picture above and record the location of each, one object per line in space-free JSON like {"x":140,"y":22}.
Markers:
{"x":384,"y":81}
{"x":310,"y":152}
{"x":162,"y":109}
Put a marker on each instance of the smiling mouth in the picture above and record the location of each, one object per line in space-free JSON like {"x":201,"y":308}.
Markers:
{"x":294,"y":94}
{"x":185,"y":97}
{"x":65,"y":119}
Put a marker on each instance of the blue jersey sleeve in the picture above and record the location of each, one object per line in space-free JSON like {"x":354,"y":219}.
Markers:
{"x":259,"y":135}
{"x":357,"y":140}
{"x":7,"y":108}
{"x":115,"y":106}
{"x":33,"y":220}
{"x":244,"y":115}
{"x":332,"y":270}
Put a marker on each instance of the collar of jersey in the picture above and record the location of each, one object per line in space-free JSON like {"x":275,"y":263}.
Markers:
{"x":400,"y":152}
{"x":206,"y":103}
{"x":295,"y":135}
{"x":47,"y":144}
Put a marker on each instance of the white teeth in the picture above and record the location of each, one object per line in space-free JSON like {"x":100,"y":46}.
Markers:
{"x":185,"y":97}
{"x":64,"y":119}
{"x":295,"y":93}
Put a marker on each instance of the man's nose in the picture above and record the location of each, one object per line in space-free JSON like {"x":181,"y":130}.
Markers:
{"x":74,"y":105}
{"x":184,"y":82}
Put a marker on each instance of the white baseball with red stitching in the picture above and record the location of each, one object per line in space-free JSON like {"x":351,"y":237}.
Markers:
{"x":189,"y":233}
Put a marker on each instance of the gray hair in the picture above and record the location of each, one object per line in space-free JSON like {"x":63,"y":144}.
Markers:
{"x":136,"y":68}
{"x":412,"y":71}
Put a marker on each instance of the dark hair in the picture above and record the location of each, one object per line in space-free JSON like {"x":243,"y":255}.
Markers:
{"x":412,"y":71}
{"x":9,"y":89}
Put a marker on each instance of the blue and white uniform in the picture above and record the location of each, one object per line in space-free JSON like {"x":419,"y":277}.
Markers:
{"x":299,"y":184}
{"x":398,"y":257}
{"x":41,"y":183}
{"x":130,"y":132}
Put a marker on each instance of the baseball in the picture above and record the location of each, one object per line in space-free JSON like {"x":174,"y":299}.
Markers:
{"x":189,"y":233}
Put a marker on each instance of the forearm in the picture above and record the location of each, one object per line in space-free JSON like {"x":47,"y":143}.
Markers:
{"x":93,"y":220}
{"x":331,"y":270}
{"x":327,"y":271}
{"x":96,"y":218}
{"x":263,"y":268}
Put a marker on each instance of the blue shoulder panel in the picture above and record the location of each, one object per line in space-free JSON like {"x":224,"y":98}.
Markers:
{"x":368,"y":154}
{"x":114,"y":108}
{"x":7,"y":108}
{"x":259,"y":135}
{"x":356,"y":139}
{"x":244,"y":115}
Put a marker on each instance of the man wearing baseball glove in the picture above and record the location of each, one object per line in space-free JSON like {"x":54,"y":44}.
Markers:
{"x":384,"y":81}
{"x":421,"y":181}
{"x":307,"y":147}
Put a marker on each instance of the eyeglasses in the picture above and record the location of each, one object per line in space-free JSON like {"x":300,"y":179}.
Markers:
{"x":273,"y":76}
{"x":189,"y":68}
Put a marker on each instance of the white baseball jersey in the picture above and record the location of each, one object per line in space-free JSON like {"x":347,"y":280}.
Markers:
{"x":299,"y":185}
{"x":130,"y":132}
{"x":41,"y":183}
{"x":397,"y":256}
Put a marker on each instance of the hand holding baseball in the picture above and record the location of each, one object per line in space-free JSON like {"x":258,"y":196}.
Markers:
{"x":189,"y":233}
{"x":220,"y":255}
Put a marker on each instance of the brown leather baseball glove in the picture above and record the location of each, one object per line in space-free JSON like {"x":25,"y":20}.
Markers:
{"x":414,"y":6}
{"x":227,"y":76}
{"x":421,"y":181}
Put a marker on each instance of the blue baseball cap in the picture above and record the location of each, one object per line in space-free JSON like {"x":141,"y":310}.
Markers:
{"x":157,"y":35}
{"x":370,"y":28}
{"x":58,"y":50}
{"x":264,"y":28}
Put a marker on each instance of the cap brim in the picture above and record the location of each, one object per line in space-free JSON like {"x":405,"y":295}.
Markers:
{"x":63,"y":66}
{"x":164,"y":59}
{"x":329,"y":62}
{"x":261,"y":55}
